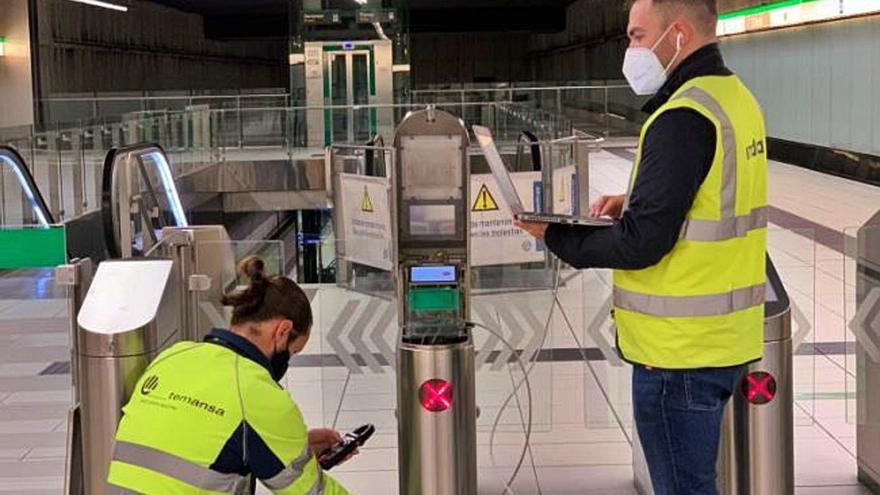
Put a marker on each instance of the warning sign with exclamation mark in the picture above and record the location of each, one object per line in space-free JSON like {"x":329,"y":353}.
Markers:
{"x":495,"y":239}
{"x":484,"y":201}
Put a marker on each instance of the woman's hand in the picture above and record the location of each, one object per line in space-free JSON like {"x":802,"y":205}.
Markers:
{"x":322,"y":439}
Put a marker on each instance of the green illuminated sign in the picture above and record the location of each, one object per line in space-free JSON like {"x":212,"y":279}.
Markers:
{"x":32,"y":248}
{"x":760,"y":9}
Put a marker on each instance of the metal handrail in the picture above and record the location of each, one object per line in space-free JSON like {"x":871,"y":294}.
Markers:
{"x":169,"y":97}
{"x":518,"y":88}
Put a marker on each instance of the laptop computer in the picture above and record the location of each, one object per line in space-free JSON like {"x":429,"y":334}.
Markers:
{"x":508,"y":191}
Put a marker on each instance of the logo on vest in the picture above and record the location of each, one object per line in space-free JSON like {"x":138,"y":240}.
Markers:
{"x":197,"y":403}
{"x":150,"y":384}
{"x":754,"y":149}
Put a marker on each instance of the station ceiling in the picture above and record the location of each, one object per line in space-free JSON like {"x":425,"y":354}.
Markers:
{"x":268,"y":18}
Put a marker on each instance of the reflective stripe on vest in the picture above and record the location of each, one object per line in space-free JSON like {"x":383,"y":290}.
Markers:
{"x":730,"y":226}
{"x":175,"y":467}
{"x":318,"y":489}
{"x":291,"y":473}
{"x":690,"y":306}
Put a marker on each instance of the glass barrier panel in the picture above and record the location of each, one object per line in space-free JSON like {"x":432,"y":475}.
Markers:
{"x":589,"y":330}
{"x":92,"y":146}
{"x":794,"y":254}
{"x":218,"y":262}
{"x":862,"y":309}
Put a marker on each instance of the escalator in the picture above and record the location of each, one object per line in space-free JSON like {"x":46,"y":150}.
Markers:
{"x":14,"y":169}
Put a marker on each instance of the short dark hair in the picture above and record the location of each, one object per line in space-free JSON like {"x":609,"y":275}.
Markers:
{"x":703,"y":12}
{"x":709,"y":6}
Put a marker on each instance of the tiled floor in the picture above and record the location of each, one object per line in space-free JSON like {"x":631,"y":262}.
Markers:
{"x":582,"y":424}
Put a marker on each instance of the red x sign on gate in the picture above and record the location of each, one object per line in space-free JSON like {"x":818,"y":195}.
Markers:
{"x":436,"y":395}
{"x":759,"y":387}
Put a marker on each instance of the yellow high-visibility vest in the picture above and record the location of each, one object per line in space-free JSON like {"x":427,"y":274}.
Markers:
{"x":702,"y":305}
{"x":185,"y":408}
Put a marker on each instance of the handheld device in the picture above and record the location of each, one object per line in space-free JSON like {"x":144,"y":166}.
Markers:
{"x":350,"y":442}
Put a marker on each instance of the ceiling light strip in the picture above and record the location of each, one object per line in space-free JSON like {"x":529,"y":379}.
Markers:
{"x":792,"y":13}
{"x":105,"y":5}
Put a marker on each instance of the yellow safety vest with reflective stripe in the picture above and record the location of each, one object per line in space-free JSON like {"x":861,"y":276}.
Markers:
{"x":702,"y":305}
{"x":185,"y":408}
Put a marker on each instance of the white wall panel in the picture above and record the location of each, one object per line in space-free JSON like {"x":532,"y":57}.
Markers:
{"x":817,"y":84}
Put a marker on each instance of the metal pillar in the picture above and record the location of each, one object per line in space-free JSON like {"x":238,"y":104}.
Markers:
{"x":128,"y":316}
{"x":435,"y":354}
{"x":757,"y":447}
{"x":77,"y":278}
{"x":756,"y":455}
{"x":866,"y":327}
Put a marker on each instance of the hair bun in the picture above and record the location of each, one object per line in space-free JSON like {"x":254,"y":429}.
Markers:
{"x":252,"y":267}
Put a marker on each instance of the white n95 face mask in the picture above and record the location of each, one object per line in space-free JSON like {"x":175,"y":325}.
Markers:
{"x":643,"y":70}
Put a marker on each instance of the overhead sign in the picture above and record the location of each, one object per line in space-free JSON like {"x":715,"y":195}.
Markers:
{"x":366,"y":220}
{"x":786,"y":13}
{"x":495,"y":240}
{"x":321,"y":18}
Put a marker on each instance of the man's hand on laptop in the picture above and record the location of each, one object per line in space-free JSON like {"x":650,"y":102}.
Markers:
{"x":608,"y":206}
{"x":535,"y":229}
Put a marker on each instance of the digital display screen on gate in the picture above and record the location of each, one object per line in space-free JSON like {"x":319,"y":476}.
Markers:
{"x":432,"y":274}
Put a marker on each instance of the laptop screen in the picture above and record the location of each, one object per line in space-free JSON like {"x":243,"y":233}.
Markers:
{"x":499,"y":171}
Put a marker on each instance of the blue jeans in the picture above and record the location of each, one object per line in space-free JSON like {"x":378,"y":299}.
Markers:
{"x":678,"y":415}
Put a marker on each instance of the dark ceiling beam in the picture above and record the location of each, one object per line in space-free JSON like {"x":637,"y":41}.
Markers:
{"x":227,"y":27}
{"x":532,"y":19}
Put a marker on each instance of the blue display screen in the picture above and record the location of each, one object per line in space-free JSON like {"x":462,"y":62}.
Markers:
{"x":432,"y":274}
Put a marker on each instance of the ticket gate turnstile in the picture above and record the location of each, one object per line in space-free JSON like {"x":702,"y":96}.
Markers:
{"x":757,"y":440}
{"x":866,"y":326}
{"x":756,"y":454}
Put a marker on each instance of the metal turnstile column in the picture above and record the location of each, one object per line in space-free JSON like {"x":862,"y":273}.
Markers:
{"x":438,"y":427}
{"x":756,"y":454}
{"x":757,"y":441}
{"x":128,"y":316}
{"x":866,"y":326}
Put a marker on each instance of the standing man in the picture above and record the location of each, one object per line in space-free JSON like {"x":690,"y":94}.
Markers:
{"x":689,"y":248}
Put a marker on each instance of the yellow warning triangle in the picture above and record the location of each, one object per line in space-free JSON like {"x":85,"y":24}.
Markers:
{"x":485,"y":201}
{"x":367,"y":203}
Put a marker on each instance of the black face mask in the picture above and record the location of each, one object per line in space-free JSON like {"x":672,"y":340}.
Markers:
{"x":279,"y":363}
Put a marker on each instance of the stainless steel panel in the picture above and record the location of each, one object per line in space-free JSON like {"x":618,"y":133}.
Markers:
{"x":275,"y":201}
{"x":200,"y":250}
{"x":107,"y":384}
{"x":138,"y":339}
{"x":768,"y":429}
{"x":435,"y":166}
{"x":437,"y":450}
{"x":305,"y":174}
{"x":756,"y":453}
{"x":778,"y":328}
